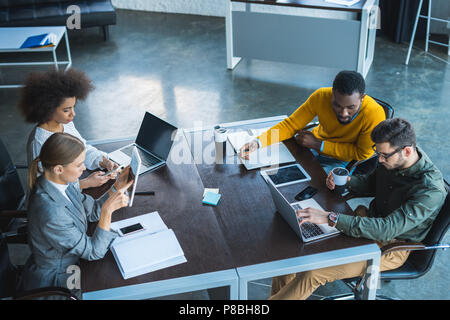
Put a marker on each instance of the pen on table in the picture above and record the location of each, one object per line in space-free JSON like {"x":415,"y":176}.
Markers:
{"x":144,"y":193}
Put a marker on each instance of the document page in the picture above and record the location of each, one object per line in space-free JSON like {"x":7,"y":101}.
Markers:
{"x":148,"y":250}
{"x":347,"y":3}
{"x":271,"y":155}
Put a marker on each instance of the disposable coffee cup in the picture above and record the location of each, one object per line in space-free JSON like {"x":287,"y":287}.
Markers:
{"x":340,"y":176}
{"x":220,"y":140}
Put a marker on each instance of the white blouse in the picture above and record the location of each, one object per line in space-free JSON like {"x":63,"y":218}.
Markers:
{"x":61,"y":188}
{"x":93,"y":155}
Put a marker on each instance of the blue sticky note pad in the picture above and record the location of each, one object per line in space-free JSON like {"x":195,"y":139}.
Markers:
{"x":211,"y":198}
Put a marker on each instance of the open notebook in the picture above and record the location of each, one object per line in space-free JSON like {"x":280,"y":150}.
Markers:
{"x":152,"y":249}
{"x":275,"y":154}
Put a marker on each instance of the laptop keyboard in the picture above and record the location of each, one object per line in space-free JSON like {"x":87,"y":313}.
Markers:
{"x":147,"y":159}
{"x":309,"y":230}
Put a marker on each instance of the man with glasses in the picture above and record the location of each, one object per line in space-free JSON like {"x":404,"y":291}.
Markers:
{"x":408,"y":193}
{"x":346,"y":118}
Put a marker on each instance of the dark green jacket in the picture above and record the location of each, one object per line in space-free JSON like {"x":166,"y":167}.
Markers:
{"x":405,"y":205}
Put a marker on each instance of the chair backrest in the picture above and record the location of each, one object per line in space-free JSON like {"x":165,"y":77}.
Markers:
{"x":11,"y":190}
{"x":31,"y":138}
{"x":388,"y":110}
{"x":423,"y":260}
{"x":370,"y":164}
{"x":8,"y":273}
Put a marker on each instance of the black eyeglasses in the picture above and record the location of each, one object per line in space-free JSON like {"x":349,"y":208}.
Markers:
{"x":387,"y":156}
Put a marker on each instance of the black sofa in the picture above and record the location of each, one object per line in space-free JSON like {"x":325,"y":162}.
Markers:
{"x":24,"y":13}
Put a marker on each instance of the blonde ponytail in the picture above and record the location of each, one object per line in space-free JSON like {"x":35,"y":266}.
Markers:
{"x":33,"y":171}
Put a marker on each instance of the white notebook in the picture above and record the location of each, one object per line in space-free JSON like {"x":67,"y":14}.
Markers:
{"x":347,"y":3}
{"x":274,"y":154}
{"x":155,"y":248}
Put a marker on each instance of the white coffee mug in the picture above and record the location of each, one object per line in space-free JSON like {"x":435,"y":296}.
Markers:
{"x":340,"y":176}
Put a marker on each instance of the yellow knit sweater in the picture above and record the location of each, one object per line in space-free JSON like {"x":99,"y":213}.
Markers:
{"x":344,"y":142}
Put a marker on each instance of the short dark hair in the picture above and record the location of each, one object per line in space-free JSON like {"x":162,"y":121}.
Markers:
{"x":349,"y":82}
{"x":45,"y":91}
{"x":398,"y":132}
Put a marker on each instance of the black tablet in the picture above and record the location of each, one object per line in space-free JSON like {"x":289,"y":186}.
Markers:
{"x":286,"y":175}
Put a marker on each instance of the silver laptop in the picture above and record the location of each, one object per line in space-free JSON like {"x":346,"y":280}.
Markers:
{"x":307,"y":231}
{"x":153,"y":142}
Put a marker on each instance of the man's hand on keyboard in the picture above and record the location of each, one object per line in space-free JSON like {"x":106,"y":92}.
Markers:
{"x":312,"y":215}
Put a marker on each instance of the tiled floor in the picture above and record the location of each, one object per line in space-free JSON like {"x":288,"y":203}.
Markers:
{"x":175,"y":67}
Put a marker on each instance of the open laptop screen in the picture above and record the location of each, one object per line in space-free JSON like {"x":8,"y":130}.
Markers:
{"x":155,"y":135}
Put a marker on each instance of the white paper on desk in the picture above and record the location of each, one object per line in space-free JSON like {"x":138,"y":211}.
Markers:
{"x":147,"y":253}
{"x":274,"y":154}
{"x":347,"y":3}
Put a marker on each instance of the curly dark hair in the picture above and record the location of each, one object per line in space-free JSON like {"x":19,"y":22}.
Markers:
{"x":349,"y":82}
{"x":45,"y":91}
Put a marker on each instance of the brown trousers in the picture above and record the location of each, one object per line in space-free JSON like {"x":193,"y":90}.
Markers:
{"x":300,"y":286}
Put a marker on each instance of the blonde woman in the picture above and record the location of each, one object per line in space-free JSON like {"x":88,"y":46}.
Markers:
{"x":59,"y":213}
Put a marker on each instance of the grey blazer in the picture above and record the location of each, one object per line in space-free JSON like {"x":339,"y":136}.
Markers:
{"x":57,"y":234}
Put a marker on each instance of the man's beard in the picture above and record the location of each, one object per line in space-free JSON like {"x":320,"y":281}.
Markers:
{"x":396,"y":166}
{"x":344,"y":122}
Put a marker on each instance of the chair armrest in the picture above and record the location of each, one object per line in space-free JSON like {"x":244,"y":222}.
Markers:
{"x":349,"y":196}
{"x":399,"y":246}
{"x":411,"y":246}
{"x":17,"y":236}
{"x":10,"y":214}
{"x":352,"y":164}
{"x":45,"y":292}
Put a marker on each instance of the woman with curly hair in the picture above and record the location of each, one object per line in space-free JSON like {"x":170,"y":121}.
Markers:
{"x":48,"y":100}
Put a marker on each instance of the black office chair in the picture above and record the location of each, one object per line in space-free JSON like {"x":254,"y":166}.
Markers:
{"x":367,"y":165}
{"x":12,"y":195}
{"x":10,"y":275}
{"x":419,"y":261}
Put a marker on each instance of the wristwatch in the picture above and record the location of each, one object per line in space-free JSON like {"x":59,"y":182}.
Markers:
{"x":333,"y":218}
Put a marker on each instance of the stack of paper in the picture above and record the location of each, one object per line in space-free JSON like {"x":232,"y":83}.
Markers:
{"x":154,"y":248}
{"x":275,"y":154}
{"x":347,"y":3}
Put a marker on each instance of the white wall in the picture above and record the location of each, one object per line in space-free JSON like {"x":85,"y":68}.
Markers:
{"x":201,"y":7}
{"x":217,"y":8}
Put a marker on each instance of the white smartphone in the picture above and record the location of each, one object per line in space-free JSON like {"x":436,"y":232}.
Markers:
{"x":113,"y":170}
{"x":131,"y":229}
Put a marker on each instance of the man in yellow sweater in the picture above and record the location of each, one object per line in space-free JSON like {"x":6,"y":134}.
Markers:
{"x":346,"y":118}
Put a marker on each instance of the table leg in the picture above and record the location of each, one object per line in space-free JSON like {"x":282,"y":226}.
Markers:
{"x":414,"y":32}
{"x":371,"y":278}
{"x":69,"y":57}
{"x":231,"y":61}
{"x":54,"y":58}
{"x":243,"y":289}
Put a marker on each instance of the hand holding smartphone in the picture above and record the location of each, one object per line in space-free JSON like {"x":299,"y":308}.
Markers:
{"x":113,"y":170}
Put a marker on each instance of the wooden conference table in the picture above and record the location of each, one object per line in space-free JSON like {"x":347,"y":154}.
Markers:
{"x":242,"y":239}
